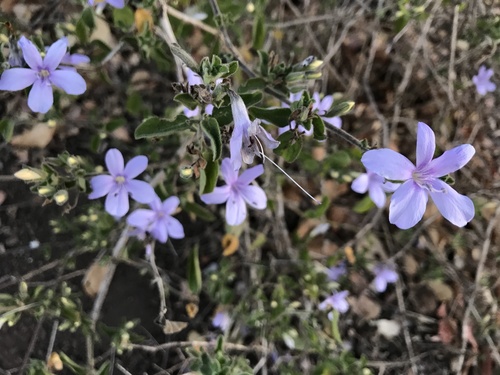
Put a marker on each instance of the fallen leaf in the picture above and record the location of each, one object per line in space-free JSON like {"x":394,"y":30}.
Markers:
{"x":93,"y":278}
{"x":230,"y":244}
{"x":442,"y":291}
{"x":172,"y":326}
{"x":38,"y":136}
{"x":365,"y":307}
{"x":388,"y":328}
{"x":469,"y":335}
{"x":191,"y":309}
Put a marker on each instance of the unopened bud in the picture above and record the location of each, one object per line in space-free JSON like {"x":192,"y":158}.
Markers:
{"x":72,"y":161}
{"x":313,"y":75}
{"x":315,"y":64}
{"x":52,"y":123}
{"x":250,"y":7}
{"x":186,"y":172}
{"x":46,"y":191}
{"x":28,"y":174}
{"x":61,"y":197}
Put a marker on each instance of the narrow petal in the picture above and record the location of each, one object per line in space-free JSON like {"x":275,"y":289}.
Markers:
{"x":141,"y":218}
{"x":135,"y":166}
{"x":388,"y":164}
{"x":101,"y":185}
{"x":170,"y":205}
{"x":360,"y":184}
{"x":114,"y":162}
{"x":235,"y":145}
{"x":40,"y":98}
{"x":407,"y":205}
{"x":219,"y":195}
{"x":116,"y":3}
{"x":266,"y":138}
{"x":159,"y":231}
{"x":456,"y":208}
{"x":451,"y":161}
{"x":193,"y":78}
{"x":75,"y":59}
{"x":426,"y":144}
{"x":228,"y":172}
{"x":380,"y":284}
{"x":30,"y":54}
{"x":335,"y":121}
{"x":68,"y":80}
{"x":117,"y":202}
{"x":174,"y":228}
{"x":236,"y":209}
{"x":377,"y":195}
{"x":325,"y":104}
{"x":140,"y":191}
{"x":55,"y":54}
{"x":17,"y":79}
{"x":254,"y":196}
{"x":250,"y":174}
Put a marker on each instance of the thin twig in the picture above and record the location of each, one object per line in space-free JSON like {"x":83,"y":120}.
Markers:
{"x":451,"y":68}
{"x":31,"y":346}
{"x":158,"y":280}
{"x":199,"y":344}
{"x":192,"y":21}
{"x":52,"y":340}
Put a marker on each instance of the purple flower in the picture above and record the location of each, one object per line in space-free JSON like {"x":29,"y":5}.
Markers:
{"x":336,"y":272}
{"x":238,"y":192}
{"x":222,"y":320}
{"x":196,"y":112}
{"x":247,"y":138}
{"x":42,"y":74}
{"x":75,"y":59}
{"x":121,"y":183}
{"x":193,"y":78}
{"x":482,"y":81}
{"x":384,"y":274}
{"x":376,"y":186}
{"x":323,"y":106}
{"x":293,"y":125}
{"x":336,"y":301}
{"x":410,"y":199}
{"x":158,"y":221}
{"x":102,"y":3}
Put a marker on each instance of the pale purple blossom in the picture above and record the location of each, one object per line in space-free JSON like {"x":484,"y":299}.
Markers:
{"x":193,"y":78}
{"x":189,"y":113}
{"x":337,"y":301}
{"x":75,"y":59}
{"x":121,"y":183}
{"x":248,"y":136}
{"x":102,"y":3}
{"x":42,"y":73}
{"x":222,"y":320}
{"x":482,"y":81}
{"x":376,"y":186}
{"x":238,"y":192}
{"x":409,"y":201}
{"x":323,"y":105}
{"x":293,"y":125}
{"x":384,"y":274}
{"x":336,"y":272}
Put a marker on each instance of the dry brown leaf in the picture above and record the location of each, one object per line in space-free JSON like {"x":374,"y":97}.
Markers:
{"x":39,"y":136}
{"x":230,"y":244}
{"x":447,"y":330}
{"x":143,"y":19}
{"x":442,"y":291}
{"x":93,"y":278}
{"x":365,"y":307}
{"x":103,"y":33}
{"x":469,"y":335}
{"x":349,"y":254}
{"x":54,"y":363}
{"x":172,"y":326}
{"x":191,"y":309}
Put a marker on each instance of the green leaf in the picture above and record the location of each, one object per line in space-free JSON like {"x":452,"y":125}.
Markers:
{"x":186,"y":100}
{"x":224,"y":115}
{"x":123,"y":17}
{"x":194,"y":271}
{"x":208,"y":177}
{"x":339,"y":160}
{"x":232,"y":68}
{"x":211,"y":128}
{"x":364,"y":205}
{"x":184,"y":56}
{"x":6,"y":129}
{"x":290,"y":146}
{"x":277,"y":116}
{"x":264,"y":63}
{"x":259,"y":31}
{"x":199,"y":211}
{"x":253,"y":84}
{"x":319,"y":210}
{"x":160,"y":127}
{"x":81,"y":31}
{"x":134,"y":103}
{"x":319,"y":128}
{"x":88,"y":17}
{"x":72,"y":365}
{"x":339,"y":109}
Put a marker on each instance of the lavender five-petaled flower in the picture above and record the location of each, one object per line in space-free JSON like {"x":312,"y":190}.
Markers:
{"x":222,"y":320}
{"x":121,"y":183}
{"x":247,"y":136}
{"x":42,"y":74}
{"x":384,"y":274}
{"x":410,"y":199}
{"x":336,"y":301}
{"x":237,"y":191}
{"x":102,"y":3}
{"x":158,"y":220}
{"x":323,"y":105}
{"x":336,"y":272}
{"x":482,"y":81}
{"x":376,"y":186}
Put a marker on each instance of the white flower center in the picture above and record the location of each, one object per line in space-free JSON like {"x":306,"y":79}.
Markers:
{"x":120,"y":179}
{"x":44,"y":73}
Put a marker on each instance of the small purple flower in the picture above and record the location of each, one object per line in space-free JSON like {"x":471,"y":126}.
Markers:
{"x":193,"y":78}
{"x":376,"y":186}
{"x":384,"y":274}
{"x":293,"y":125}
{"x":42,"y":74}
{"x":482,"y":81}
{"x":75,"y":59}
{"x":158,"y":221}
{"x":102,"y":3}
{"x":222,"y":320}
{"x":121,"y":183}
{"x":409,"y":201}
{"x":323,"y":106}
{"x":336,"y":272}
{"x":336,"y":301}
{"x":247,"y":138}
{"x":238,"y":192}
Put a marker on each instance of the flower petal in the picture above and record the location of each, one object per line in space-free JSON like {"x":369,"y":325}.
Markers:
{"x":75,"y":59}
{"x":451,"y":161}
{"x":114,"y":162}
{"x":426,"y":144}
{"x":30,"y":53}
{"x":55,"y":54}
{"x":360,"y":184}
{"x":141,"y":218}
{"x":456,"y":208}
{"x":254,"y":196}
{"x":117,"y":202}
{"x":17,"y":79}
{"x":377,"y":195}
{"x":236,"y":209}
{"x":140,"y":191}
{"x":228,"y":172}
{"x":407,"y":205}
{"x":266,"y":138}
{"x":250,"y":174}
{"x":325,"y":104}
{"x":159,"y":231}
{"x":68,"y":80}
{"x":170,"y":204}
{"x":388,"y":164}
{"x":101,"y":185}
{"x":40,"y":98}
{"x":219,"y":195}
{"x":235,"y":145}
{"x":116,"y":3}
{"x":380,"y":284}
{"x":335,"y":121}
{"x":174,"y":228}
{"x":135,"y":166}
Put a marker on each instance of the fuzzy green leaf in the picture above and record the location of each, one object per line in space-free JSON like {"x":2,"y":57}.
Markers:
{"x":194,"y":271}
{"x":186,"y":100}
{"x":319,"y":128}
{"x":160,"y":127}
{"x":277,"y":116}
{"x":211,"y":128}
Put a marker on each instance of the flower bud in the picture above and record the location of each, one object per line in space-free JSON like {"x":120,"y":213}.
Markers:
{"x":46,"y":191}
{"x":28,"y":174}
{"x":72,"y":161}
{"x":61,"y":197}
{"x":52,"y":123}
{"x":186,"y":172}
